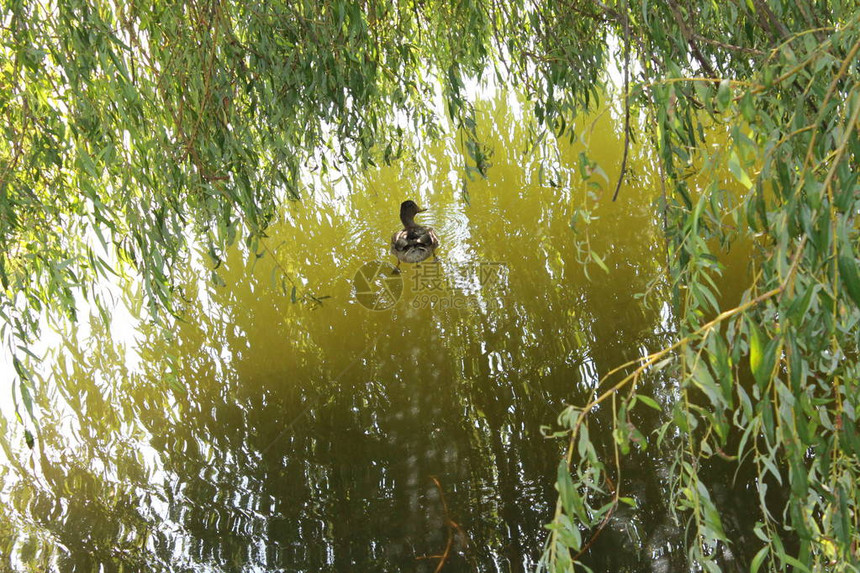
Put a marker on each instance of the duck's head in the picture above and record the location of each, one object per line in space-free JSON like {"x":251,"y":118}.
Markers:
{"x":408,"y":210}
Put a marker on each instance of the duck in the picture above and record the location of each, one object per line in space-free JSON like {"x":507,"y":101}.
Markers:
{"x":414,"y":243}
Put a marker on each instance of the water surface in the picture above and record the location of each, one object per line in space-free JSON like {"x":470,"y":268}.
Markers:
{"x":283,"y":425}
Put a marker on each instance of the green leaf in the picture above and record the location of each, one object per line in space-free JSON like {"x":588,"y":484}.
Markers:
{"x":759,"y":531}
{"x":596,"y":258}
{"x":29,"y":439}
{"x":795,"y":563}
{"x":701,"y":377}
{"x":800,"y":305}
{"x":724,"y":95}
{"x":848,"y":271}
{"x":759,"y":559}
{"x":738,"y":172}
{"x":569,"y":533}
{"x":583,"y":443}
{"x":566,"y":490}
{"x":712,"y":516}
{"x":842,"y":525}
{"x":743,"y":441}
{"x":629,"y":501}
{"x":24,"y":387}
{"x":762,"y":354}
{"x":648,"y":401}
{"x":747,"y":107}
{"x":217,"y":280}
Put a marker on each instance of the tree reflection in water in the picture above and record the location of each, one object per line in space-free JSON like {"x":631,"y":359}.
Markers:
{"x":267,"y":431}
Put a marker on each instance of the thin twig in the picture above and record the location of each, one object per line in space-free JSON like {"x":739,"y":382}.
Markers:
{"x":605,"y":521}
{"x":688,"y":36}
{"x":725,"y":46}
{"x":452,"y":527}
{"x":626,"y":101}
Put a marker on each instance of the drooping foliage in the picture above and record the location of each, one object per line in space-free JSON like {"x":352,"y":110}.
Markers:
{"x":128,"y":125}
{"x":769,"y":384}
{"x":129,"y":128}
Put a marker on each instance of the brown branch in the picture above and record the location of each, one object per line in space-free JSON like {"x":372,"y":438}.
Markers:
{"x":688,"y":36}
{"x":652,"y":359}
{"x":725,"y":46}
{"x":763,"y":10}
{"x":452,"y":526}
{"x":603,"y":522}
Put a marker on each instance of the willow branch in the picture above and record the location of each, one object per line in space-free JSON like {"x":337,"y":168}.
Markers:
{"x":626,"y":102}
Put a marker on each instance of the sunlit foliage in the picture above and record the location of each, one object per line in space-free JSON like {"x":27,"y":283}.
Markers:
{"x":772,"y":383}
{"x":130,"y":127}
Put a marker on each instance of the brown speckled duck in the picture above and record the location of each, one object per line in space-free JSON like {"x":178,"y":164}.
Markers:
{"x":414,"y":243}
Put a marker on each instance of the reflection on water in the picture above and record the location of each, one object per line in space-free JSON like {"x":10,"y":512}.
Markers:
{"x":281,"y":429}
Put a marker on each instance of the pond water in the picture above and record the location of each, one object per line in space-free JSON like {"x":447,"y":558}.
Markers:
{"x":365,"y":421}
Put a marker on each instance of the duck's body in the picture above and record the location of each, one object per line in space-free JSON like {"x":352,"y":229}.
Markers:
{"x":414,"y":243}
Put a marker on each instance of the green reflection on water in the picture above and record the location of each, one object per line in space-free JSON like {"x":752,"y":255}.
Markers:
{"x":269,"y":430}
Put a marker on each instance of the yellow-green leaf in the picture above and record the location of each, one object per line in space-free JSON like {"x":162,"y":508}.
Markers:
{"x":738,"y":172}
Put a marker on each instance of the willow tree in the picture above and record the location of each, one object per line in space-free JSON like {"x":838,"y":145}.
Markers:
{"x":129,"y":129}
{"x":771,"y":384}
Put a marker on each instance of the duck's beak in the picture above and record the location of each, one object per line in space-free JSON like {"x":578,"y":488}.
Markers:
{"x":420,"y":210}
